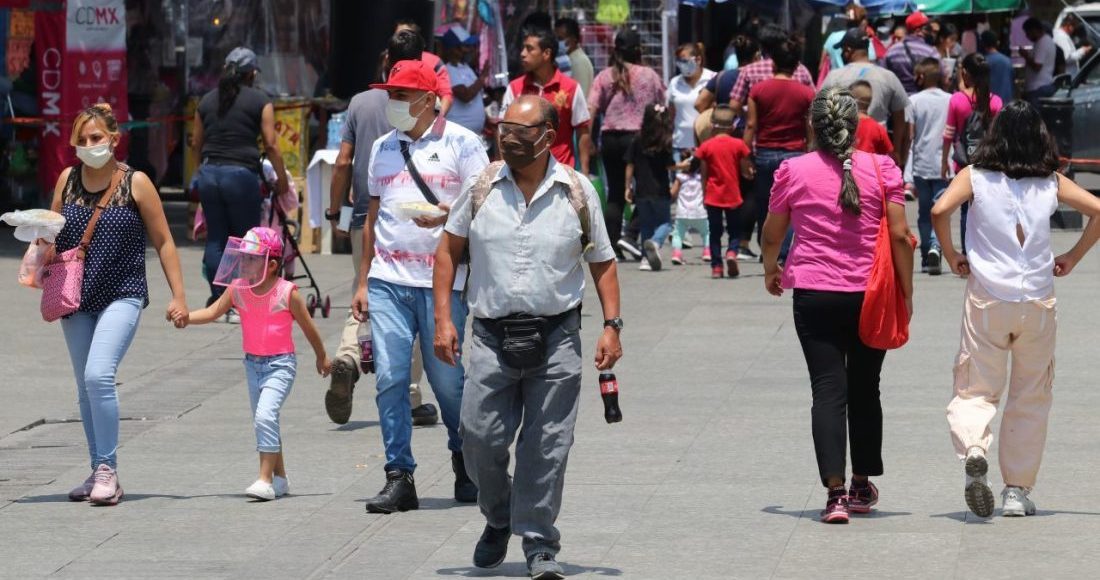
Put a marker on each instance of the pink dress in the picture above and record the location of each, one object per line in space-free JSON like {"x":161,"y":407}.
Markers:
{"x":266,"y":320}
{"x":833,"y":249}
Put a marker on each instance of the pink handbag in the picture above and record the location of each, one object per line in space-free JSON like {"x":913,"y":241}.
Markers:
{"x":63,"y":277}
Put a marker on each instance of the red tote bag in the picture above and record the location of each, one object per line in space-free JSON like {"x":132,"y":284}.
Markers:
{"x":884,"y":318}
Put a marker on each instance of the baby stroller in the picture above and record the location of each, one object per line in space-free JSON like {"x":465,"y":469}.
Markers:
{"x":275,"y":216}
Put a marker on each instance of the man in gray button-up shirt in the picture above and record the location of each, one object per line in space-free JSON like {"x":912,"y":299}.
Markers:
{"x":525,"y":259}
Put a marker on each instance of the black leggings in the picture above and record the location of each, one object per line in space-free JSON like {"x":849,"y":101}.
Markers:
{"x":613,"y":146}
{"x":844,"y":375}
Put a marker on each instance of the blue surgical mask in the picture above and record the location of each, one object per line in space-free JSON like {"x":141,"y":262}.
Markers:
{"x":686,"y":67}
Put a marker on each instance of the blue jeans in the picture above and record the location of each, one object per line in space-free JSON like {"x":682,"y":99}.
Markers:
{"x":269,"y":381}
{"x":655,"y":217}
{"x":928,"y":193}
{"x":767,"y":161}
{"x":97,"y":342}
{"x":397,"y":315}
{"x":231,"y":202}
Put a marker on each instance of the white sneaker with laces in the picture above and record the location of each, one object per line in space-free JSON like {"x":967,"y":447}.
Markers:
{"x":645,"y":267}
{"x":1016,"y":503}
{"x":978,"y":491}
{"x":281,"y":485}
{"x":232,"y":317}
{"x":261,"y":490}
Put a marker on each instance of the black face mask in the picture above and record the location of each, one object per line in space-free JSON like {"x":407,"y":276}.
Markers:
{"x":519,"y":152}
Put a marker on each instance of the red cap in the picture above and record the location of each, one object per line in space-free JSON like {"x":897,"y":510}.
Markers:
{"x":916,"y":21}
{"x":413,"y":75}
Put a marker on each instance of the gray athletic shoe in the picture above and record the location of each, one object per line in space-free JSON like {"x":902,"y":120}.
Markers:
{"x":1016,"y":503}
{"x":979,"y":494}
{"x":542,"y":566}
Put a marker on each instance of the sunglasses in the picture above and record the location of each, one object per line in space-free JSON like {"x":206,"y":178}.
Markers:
{"x":520,"y":130}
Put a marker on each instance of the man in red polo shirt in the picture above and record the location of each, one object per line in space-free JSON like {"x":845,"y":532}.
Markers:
{"x":541,"y":77}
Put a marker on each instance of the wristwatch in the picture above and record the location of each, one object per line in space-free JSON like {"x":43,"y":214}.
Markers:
{"x":616,"y":323}
{"x":332,"y":216}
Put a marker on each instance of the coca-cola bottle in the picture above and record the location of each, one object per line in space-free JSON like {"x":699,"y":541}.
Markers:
{"x":366,"y":348}
{"x":609,"y":390}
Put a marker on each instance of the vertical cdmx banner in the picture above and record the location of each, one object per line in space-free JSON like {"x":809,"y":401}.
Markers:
{"x":81,"y":55}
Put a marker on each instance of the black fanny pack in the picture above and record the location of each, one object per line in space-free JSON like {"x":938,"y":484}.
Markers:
{"x":523,"y":337}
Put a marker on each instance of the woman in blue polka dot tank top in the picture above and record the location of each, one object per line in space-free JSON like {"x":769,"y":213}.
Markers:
{"x":114,"y":291}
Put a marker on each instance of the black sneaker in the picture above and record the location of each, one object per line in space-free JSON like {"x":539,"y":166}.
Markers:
{"x":340,"y":388}
{"x":492,"y":547}
{"x":543,"y":566}
{"x":465,"y":490}
{"x":747,"y":252}
{"x":399,"y":494}
{"x":629,"y":247}
{"x":425,"y":415}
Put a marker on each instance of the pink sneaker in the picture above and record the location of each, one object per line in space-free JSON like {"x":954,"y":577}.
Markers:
{"x":731,"y":265}
{"x":706,"y":255}
{"x":106,"y":490}
{"x":678,"y":257}
{"x":836,"y":508}
{"x":82,"y":491}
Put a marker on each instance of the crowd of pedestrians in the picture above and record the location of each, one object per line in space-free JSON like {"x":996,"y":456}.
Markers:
{"x":815,"y":170}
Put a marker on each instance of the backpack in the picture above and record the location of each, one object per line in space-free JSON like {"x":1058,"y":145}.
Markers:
{"x":481,"y":188}
{"x":967,"y":141}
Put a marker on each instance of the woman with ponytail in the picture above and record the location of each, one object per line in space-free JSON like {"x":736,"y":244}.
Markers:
{"x":970,"y":113}
{"x":620,"y":94}
{"x":834,"y":199}
{"x":229,"y":121}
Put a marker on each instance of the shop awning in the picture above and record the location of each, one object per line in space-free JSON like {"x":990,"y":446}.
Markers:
{"x":891,"y":7}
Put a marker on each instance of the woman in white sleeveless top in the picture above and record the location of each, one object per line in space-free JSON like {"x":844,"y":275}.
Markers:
{"x":1013,"y":189}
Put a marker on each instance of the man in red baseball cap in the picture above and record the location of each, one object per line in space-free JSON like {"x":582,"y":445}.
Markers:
{"x":416,"y":173}
{"x":918,"y":45}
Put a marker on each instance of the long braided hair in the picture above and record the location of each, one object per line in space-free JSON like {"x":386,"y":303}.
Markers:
{"x":834,"y":115}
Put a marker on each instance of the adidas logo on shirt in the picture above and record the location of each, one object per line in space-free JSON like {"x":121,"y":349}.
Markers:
{"x":434,"y":157}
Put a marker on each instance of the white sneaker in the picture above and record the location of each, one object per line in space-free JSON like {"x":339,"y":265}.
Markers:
{"x":261,"y":490}
{"x":978,"y":492}
{"x":1016,"y":503}
{"x":645,"y":267}
{"x":281,"y":485}
{"x":232,"y":317}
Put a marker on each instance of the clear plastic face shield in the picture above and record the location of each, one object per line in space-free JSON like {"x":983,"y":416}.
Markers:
{"x":244,"y":263}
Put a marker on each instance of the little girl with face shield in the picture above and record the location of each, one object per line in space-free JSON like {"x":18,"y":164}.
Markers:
{"x":268,"y":305}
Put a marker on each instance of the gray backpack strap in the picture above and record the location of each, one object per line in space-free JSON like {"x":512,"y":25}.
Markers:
{"x":479,"y":192}
{"x":481,"y":188}
{"x":579,"y":200}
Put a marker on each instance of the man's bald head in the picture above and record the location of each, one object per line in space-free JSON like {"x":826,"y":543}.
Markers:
{"x":532,"y":110}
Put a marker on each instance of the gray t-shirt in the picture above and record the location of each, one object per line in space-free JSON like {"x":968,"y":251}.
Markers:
{"x":929,"y":110}
{"x":889,"y":94}
{"x":366,"y":122}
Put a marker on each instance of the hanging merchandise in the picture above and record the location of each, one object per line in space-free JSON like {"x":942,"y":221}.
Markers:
{"x":486,"y":12}
{"x":613,"y":12}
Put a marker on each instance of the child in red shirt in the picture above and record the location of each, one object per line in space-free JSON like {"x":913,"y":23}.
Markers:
{"x":871,"y":136}
{"x":724,"y":159}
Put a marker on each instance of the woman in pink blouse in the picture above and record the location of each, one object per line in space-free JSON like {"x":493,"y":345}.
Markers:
{"x":620,"y":94}
{"x":973,"y":98}
{"x":833,"y":198}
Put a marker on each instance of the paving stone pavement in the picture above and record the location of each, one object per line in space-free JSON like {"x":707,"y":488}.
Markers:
{"x":711,"y":474}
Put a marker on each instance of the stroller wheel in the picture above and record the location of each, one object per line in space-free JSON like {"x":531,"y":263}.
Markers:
{"x":327,"y":308}
{"x":311,"y":305}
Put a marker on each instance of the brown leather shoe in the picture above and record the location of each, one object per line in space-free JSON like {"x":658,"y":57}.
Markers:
{"x":341,"y":387}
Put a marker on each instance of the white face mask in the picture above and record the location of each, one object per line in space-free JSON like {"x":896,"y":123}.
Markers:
{"x":95,"y":156}
{"x":397,"y":113}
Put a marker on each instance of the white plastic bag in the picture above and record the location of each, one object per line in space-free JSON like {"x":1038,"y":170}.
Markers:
{"x":32,"y":266}
{"x":33,"y":224}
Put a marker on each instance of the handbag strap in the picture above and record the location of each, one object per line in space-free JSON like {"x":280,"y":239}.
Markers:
{"x":424,"y":189}
{"x":116,"y":181}
{"x":881,"y":185}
